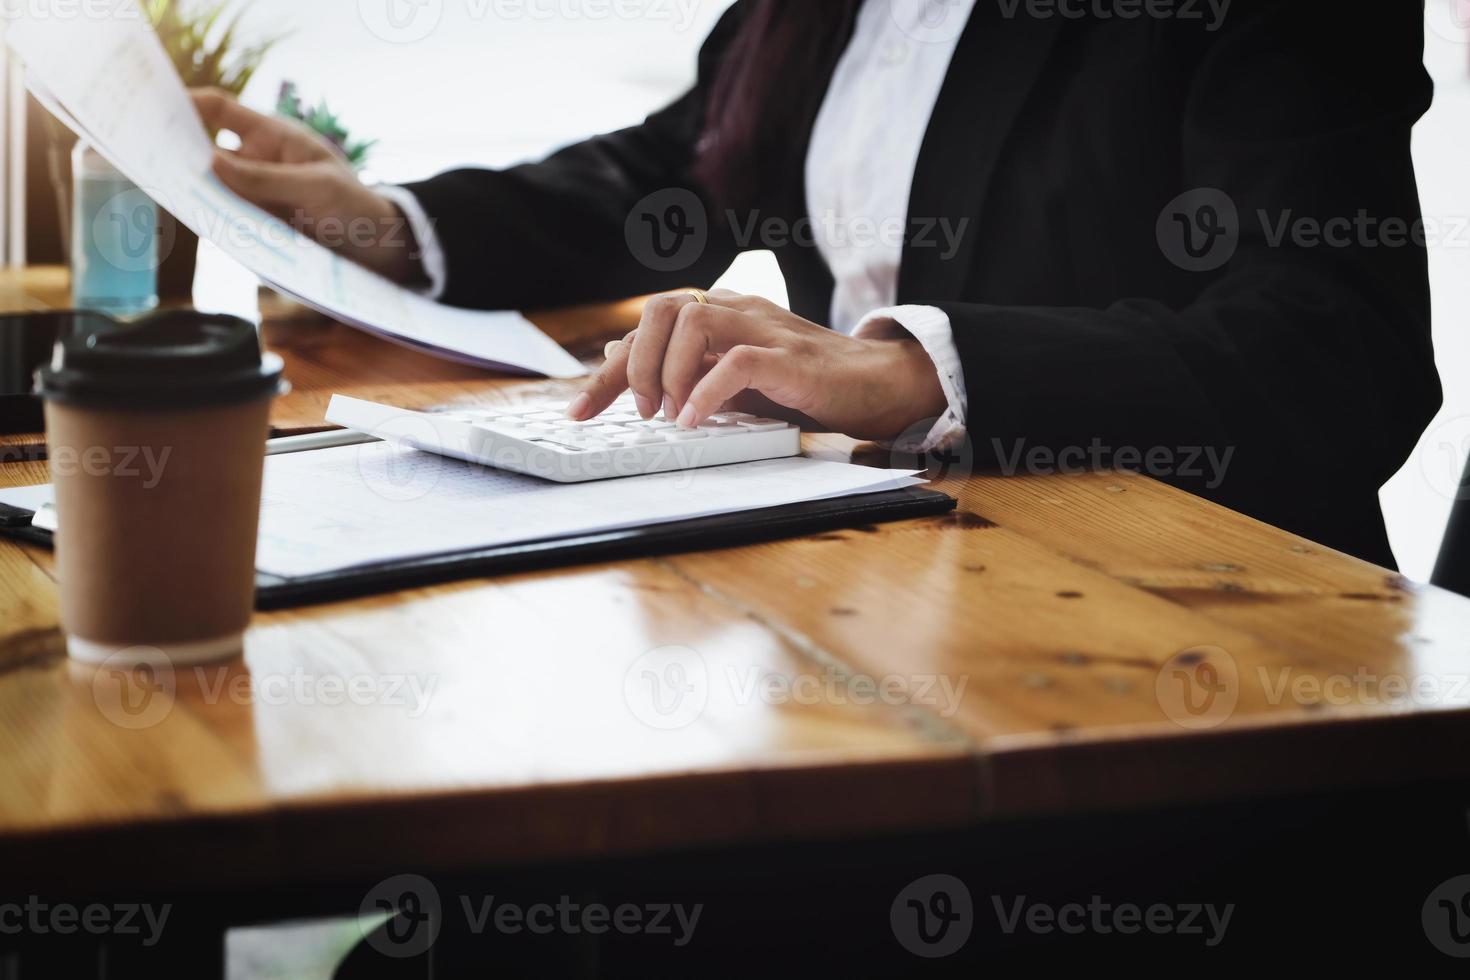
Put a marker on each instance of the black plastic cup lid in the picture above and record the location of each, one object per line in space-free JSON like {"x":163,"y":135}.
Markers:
{"x":170,"y":359}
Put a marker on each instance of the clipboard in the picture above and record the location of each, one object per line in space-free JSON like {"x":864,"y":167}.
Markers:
{"x":699,"y":534}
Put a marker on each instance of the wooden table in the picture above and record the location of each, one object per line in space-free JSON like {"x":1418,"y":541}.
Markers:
{"x":1060,"y":644}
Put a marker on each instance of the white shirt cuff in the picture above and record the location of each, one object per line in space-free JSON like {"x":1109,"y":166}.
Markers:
{"x":930,"y":326}
{"x":431,"y":252}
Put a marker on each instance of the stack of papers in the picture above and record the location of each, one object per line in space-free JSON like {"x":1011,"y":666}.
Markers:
{"x":363,"y":505}
{"x":355,"y":506}
{"x":109,"y":79}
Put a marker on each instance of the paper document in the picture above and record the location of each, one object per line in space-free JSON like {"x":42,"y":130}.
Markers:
{"x":27,"y":498}
{"x":364,"y":505}
{"x":109,"y":79}
{"x":361,"y":505}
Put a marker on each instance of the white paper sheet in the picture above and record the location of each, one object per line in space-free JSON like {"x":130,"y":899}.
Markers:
{"x":28,"y":498}
{"x":359,"y":505}
{"x":362,"y":505}
{"x":109,"y":79}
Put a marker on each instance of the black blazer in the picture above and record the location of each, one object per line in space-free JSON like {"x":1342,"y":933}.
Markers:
{"x":1080,"y":321}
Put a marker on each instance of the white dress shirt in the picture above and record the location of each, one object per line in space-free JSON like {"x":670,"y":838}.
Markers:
{"x":859,"y":168}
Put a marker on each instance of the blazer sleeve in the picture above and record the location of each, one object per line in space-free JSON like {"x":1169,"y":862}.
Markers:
{"x":1313,"y":357}
{"x":556,"y":232}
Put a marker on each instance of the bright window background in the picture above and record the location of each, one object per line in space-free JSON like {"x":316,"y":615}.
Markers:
{"x":450,"y":82}
{"x":489,"y":81}
{"x":444,"y":83}
{"x":1417,"y":501}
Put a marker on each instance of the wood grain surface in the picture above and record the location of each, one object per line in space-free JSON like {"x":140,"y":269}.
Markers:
{"x":1059,"y":644}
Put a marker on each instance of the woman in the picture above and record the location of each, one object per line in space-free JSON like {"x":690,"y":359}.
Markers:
{"x":1156,"y":236}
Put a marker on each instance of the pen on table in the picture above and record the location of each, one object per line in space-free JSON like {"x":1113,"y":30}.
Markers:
{"x":316,"y":440}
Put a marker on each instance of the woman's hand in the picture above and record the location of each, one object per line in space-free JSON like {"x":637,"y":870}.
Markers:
{"x":696,"y":359}
{"x":286,"y":169}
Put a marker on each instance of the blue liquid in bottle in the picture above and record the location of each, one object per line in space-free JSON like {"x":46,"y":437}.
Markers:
{"x":114,"y":239}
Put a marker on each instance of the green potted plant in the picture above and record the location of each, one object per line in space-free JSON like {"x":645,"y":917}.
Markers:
{"x":324,"y":122}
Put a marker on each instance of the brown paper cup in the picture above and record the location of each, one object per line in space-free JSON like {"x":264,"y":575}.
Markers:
{"x":156,"y":435}
{"x":157,"y":514}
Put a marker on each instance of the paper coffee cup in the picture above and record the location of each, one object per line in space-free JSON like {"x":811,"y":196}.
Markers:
{"x":156,"y":435}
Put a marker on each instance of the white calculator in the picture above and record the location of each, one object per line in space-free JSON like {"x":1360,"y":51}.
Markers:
{"x":540,"y":440}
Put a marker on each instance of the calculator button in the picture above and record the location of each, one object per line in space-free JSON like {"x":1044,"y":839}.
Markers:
{"x":553,"y":444}
{"x":761,"y":425}
{"x":683,"y":435}
{"x":723,"y":430}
